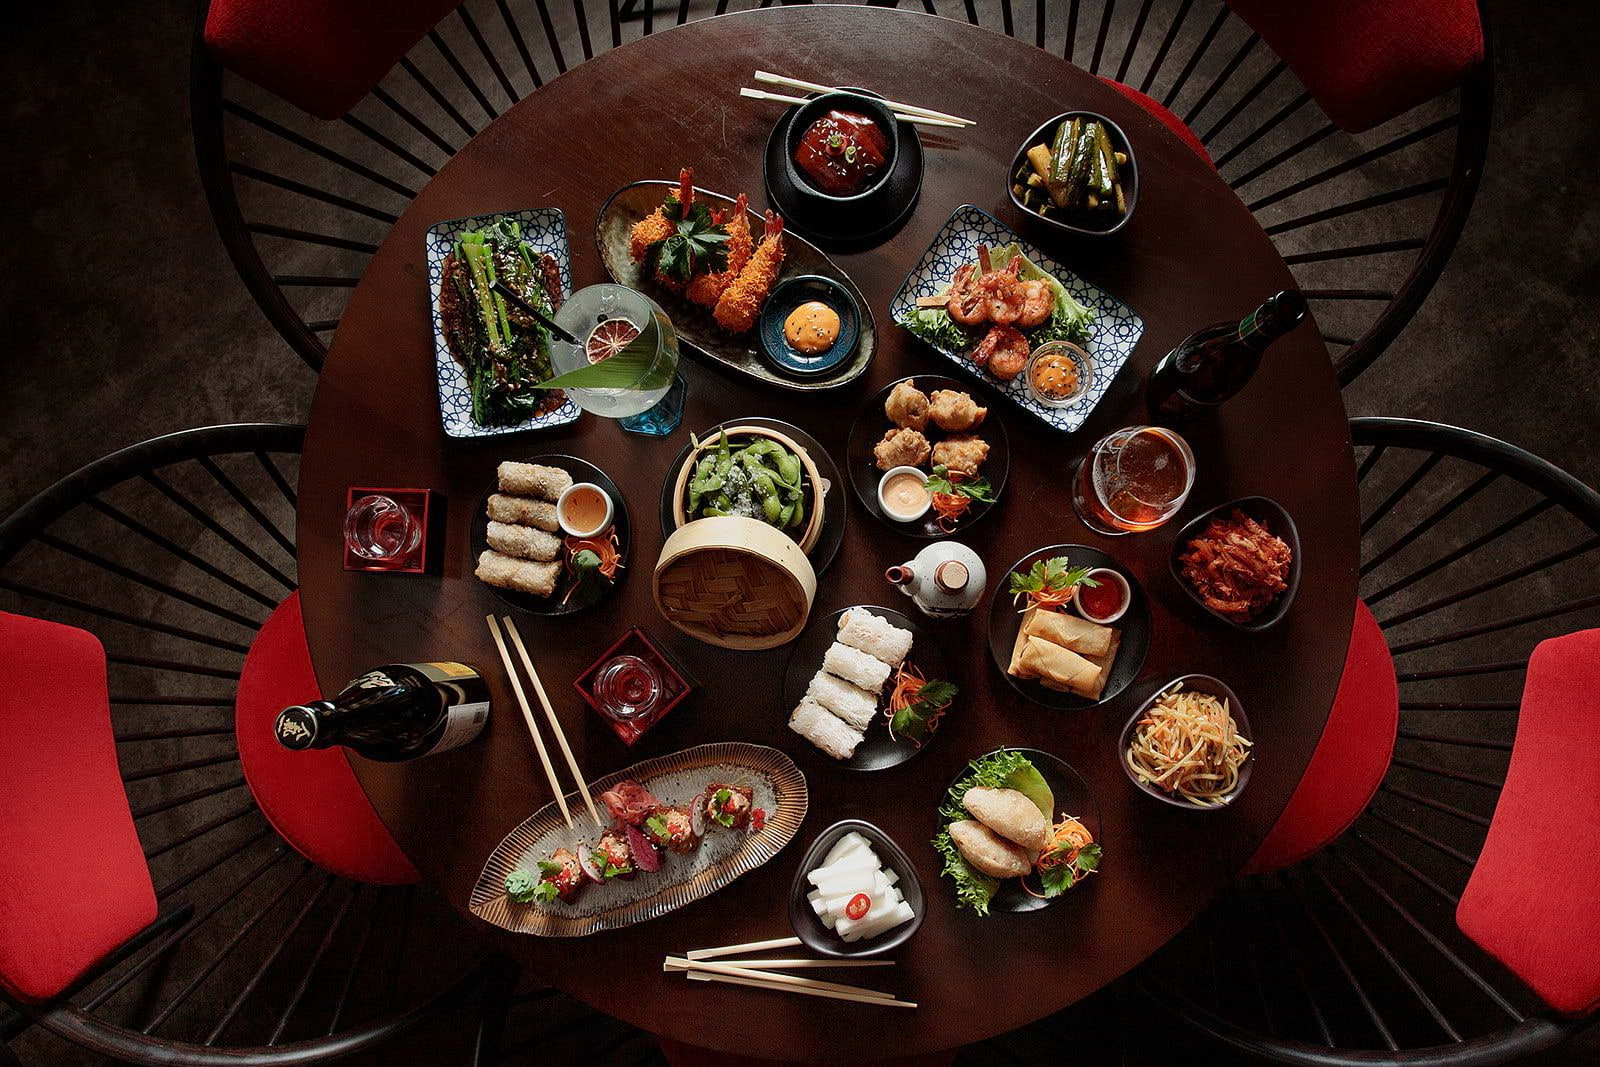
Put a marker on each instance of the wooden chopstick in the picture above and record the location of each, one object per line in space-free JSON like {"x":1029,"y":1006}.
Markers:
{"x":675,"y":963}
{"x":920,"y":120}
{"x":749,"y":946}
{"x":790,"y":965}
{"x":527,"y":714}
{"x":555,"y":723}
{"x":831,"y":994}
{"x":814,"y":87}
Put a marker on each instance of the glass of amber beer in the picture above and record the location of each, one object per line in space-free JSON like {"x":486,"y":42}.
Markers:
{"x":1133,"y":480}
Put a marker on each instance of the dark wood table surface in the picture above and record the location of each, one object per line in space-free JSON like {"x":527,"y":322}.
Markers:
{"x":1192,"y":255}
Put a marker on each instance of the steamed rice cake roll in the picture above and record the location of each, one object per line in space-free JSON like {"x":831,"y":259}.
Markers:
{"x":855,"y":706}
{"x":874,"y":635}
{"x":857,"y":667}
{"x":825,"y":730}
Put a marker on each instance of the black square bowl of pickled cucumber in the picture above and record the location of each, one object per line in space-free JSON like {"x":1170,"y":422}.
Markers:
{"x":1076,"y":172}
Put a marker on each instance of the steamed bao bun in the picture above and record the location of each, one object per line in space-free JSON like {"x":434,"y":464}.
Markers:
{"x":1010,"y":814}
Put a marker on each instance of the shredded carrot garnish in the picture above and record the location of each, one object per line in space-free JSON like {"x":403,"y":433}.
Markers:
{"x":603,"y":545}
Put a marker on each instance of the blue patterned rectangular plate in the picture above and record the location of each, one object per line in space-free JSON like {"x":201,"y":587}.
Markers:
{"x":1115,"y":332}
{"x":545,"y":230}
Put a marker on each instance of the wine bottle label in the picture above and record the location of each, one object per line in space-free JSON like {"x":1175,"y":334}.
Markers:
{"x":445,"y":672}
{"x":465,"y":722}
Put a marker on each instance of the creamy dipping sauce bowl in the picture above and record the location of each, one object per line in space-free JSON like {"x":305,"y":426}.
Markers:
{"x":897,"y":494}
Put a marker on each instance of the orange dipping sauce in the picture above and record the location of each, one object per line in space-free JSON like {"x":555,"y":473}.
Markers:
{"x":585,"y":509}
{"x":812,"y":328}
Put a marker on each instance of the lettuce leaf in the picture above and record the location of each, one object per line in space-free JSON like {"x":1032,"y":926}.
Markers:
{"x":937,"y":328}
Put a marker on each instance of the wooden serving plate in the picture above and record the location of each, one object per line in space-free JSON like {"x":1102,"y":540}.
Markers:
{"x":694,"y":323}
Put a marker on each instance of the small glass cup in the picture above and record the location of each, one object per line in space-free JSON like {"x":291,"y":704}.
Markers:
{"x":627,"y":688}
{"x":653,"y":402}
{"x":1133,"y":480}
{"x":381,"y":529}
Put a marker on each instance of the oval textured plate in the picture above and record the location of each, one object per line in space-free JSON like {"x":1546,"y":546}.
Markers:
{"x":694,"y":323}
{"x":723,"y":855}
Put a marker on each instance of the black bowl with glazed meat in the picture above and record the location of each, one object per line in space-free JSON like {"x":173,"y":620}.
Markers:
{"x":841,"y":148}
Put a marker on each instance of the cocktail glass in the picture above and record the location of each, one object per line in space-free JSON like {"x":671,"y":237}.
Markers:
{"x":603,"y":318}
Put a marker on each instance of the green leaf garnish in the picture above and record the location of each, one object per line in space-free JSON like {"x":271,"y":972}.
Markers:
{"x":1049,"y":576}
{"x":977,"y":489}
{"x":915,"y":720}
{"x":697,"y":247}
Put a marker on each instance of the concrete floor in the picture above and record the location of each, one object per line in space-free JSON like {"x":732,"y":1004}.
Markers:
{"x":126,"y":319}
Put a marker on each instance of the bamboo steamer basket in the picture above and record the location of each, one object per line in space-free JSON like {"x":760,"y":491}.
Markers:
{"x":734,"y":582}
{"x":807,"y":537}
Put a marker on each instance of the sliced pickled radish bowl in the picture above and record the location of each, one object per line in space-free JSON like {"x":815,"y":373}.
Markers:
{"x":854,"y":894}
{"x":608,"y":338}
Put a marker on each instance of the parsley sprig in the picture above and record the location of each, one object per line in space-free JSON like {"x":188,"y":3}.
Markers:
{"x":1048,"y":580}
{"x":698,"y":245}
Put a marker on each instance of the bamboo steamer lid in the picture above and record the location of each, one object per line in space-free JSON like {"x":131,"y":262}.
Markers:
{"x":813,"y":528}
{"x":734,"y":582}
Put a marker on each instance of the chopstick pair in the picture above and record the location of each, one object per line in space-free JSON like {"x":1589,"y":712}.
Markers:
{"x":906,"y":111}
{"x":700,"y":965}
{"x":550,"y":714}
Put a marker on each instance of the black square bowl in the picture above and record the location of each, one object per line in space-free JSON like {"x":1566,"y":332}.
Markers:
{"x":1270,"y":514}
{"x":808,"y":927}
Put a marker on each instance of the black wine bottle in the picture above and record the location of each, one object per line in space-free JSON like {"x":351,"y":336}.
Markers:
{"x":399,"y":712}
{"x":1212,"y":365}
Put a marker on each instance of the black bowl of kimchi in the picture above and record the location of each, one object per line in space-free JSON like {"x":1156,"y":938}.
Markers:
{"x":1276,"y":521}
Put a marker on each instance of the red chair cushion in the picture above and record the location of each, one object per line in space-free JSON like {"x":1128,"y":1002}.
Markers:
{"x":1351,"y":758}
{"x":1171,"y":121}
{"x":1366,"y":61}
{"x":1531,"y":901}
{"x":322,"y":56}
{"x":312,"y":797}
{"x":73,"y":880}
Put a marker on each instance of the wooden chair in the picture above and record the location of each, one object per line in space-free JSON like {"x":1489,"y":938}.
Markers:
{"x":1440,"y":911}
{"x":1367,"y":220}
{"x":156,"y":912}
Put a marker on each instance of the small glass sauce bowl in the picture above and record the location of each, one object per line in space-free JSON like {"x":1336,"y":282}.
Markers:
{"x":1080,"y":359}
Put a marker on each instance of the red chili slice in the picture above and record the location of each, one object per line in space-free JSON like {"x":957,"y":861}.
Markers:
{"x":859,"y":905}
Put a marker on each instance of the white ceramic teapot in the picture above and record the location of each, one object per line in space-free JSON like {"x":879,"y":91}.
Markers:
{"x":946,"y":579}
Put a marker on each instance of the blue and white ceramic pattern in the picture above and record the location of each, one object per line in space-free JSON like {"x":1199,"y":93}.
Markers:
{"x":1115,"y":332}
{"x":545,"y":230}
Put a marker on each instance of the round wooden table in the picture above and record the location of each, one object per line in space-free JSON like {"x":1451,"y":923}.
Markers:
{"x":1192,"y":255}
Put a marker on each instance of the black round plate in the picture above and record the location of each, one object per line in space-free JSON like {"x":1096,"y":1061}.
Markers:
{"x":593,"y":590}
{"x":1005,"y":620}
{"x":1072,"y":798}
{"x":857,"y":225}
{"x":833,"y":518}
{"x":868,"y":430}
{"x":877,"y":750}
